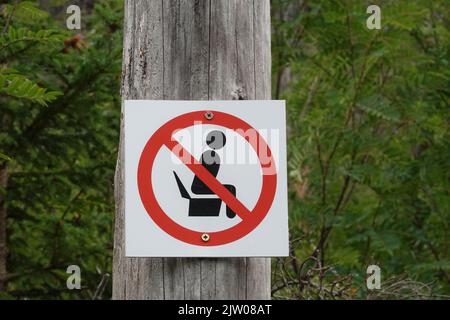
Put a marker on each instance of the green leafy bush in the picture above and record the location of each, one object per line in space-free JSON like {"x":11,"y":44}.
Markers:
{"x":368,"y":145}
{"x":60,"y":107}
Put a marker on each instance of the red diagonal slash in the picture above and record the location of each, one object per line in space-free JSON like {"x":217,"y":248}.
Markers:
{"x":200,"y":171}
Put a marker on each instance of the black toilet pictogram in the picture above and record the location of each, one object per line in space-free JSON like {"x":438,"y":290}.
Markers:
{"x":207,"y":207}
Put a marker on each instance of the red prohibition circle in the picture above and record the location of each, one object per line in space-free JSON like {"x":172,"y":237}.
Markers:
{"x":163,"y":136}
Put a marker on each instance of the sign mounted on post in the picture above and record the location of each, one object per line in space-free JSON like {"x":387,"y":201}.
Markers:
{"x":205,"y":179}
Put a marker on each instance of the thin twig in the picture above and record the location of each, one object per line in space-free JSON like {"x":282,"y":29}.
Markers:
{"x":8,"y":19}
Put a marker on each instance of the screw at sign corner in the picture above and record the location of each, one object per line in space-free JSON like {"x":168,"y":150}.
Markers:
{"x":209,"y":115}
{"x":205,"y":237}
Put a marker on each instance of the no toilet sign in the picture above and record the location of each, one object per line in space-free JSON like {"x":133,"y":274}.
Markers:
{"x":205,"y":179}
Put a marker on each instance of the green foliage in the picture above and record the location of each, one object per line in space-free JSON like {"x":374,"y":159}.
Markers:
{"x":14,"y":41}
{"x":368,"y":144}
{"x":24,"y":10}
{"x":16,"y":85}
{"x":61,"y":157}
{"x":4,"y":157}
{"x":15,"y":36}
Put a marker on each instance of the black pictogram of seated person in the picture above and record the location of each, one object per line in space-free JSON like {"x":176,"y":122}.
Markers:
{"x":211,"y":161}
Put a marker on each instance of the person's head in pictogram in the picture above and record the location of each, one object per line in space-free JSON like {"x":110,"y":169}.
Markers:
{"x":216,"y":140}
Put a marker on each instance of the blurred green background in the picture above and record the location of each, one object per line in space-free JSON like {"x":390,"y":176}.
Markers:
{"x":368,"y":147}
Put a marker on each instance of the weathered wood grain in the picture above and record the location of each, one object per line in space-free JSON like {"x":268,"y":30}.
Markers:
{"x":191,"y":50}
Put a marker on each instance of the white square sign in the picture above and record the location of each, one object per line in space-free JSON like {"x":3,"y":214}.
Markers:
{"x":205,"y":179}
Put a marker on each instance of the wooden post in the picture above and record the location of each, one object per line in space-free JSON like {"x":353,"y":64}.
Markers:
{"x":192,"y":50}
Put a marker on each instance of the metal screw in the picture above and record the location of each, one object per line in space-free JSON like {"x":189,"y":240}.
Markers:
{"x":205,"y":237}
{"x":209,"y":115}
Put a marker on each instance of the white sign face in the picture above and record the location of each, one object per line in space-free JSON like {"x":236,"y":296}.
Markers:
{"x":205,"y":179}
